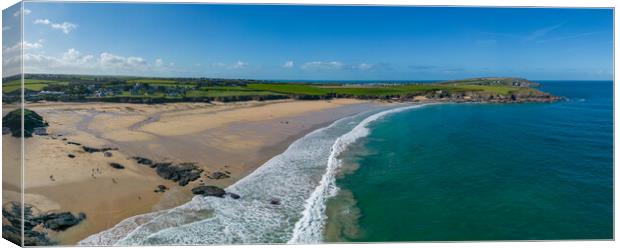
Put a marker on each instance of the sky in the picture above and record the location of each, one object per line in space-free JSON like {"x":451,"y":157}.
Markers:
{"x":285,"y":42}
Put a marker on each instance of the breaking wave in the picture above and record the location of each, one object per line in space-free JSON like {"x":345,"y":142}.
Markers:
{"x":309,"y":229}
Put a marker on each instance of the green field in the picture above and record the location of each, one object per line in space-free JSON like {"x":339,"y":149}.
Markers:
{"x":226,"y":93}
{"x":379,"y":91}
{"x":30,"y":84}
{"x":294,"y":89}
{"x":226,"y":88}
{"x":152,"y":81}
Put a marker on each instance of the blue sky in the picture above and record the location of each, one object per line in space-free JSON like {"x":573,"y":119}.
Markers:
{"x":317,"y":42}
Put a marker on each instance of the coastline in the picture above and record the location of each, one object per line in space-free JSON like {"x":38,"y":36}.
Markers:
{"x":242,"y":138}
{"x":232,"y":138}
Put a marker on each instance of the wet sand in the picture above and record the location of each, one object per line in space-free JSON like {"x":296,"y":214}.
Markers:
{"x":236,"y":137}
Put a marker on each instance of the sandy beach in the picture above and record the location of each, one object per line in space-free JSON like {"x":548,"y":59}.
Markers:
{"x":235,"y":138}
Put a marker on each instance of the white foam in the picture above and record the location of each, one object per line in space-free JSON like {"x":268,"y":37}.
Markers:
{"x":309,"y":229}
{"x":301,"y":178}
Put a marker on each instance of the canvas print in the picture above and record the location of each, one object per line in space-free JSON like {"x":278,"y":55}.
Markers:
{"x":206,"y":124}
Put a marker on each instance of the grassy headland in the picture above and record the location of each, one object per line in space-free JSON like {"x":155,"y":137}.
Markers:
{"x":158,"y":90}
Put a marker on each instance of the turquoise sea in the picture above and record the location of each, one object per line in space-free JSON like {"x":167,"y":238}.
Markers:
{"x":455,"y":172}
{"x":439,"y":172}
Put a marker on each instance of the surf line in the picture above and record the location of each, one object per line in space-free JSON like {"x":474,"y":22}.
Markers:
{"x":309,"y":229}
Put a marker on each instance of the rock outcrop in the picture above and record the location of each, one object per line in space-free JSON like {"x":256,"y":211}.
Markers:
{"x":144,"y":161}
{"x":209,"y":191}
{"x":60,"y":221}
{"x":32,"y":121}
{"x":233,"y":195}
{"x":93,"y":150}
{"x":117,"y":166}
{"x":218,"y":175}
{"x":182,"y":173}
{"x":160,"y":188}
{"x":12,"y":224}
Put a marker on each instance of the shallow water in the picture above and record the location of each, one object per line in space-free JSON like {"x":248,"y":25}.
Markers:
{"x":484,"y":172}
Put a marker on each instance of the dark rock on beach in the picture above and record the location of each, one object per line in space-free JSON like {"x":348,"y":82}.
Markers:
{"x":144,"y":161}
{"x":107,"y":154}
{"x":154,"y":165}
{"x":60,"y":221}
{"x":93,"y":150}
{"x":11,"y":228}
{"x":209,"y":191}
{"x":32,"y":121}
{"x":233,"y":195}
{"x":218,"y":175}
{"x":160,"y":188}
{"x":71,"y":155}
{"x":117,"y":166}
{"x":74,"y":143}
{"x":182,"y":173}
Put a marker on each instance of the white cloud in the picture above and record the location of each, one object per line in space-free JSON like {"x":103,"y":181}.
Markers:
{"x":364,"y":66}
{"x":5,"y":28}
{"x":111,"y":61}
{"x":66,"y":27}
{"x":136,"y":61}
{"x":35,"y":45}
{"x":15,"y":49}
{"x":108,"y":59}
{"x":288,"y":64}
{"x":42,"y":21}
{"x":238,"y":65}
{"x":17,"y":13}
{"x":73,"y":61}
{"x":322,"y":65}
{"x":159,"y":62}
{"x":75,"y":57}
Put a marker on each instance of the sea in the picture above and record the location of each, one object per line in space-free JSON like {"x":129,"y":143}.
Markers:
{"x":432,"y":172}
